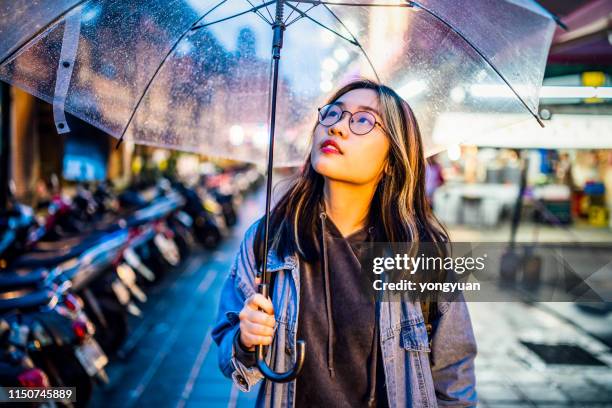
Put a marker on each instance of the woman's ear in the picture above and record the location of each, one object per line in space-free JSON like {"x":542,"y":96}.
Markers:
{"x":387,"y":169}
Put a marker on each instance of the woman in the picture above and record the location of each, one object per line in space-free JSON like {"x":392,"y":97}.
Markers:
{"x":363,"y":181}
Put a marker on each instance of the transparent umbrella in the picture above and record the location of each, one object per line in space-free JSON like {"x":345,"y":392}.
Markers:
{"x":197,"y":75}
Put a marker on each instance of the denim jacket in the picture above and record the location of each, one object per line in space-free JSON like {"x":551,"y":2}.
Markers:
{"x":418,"y":372}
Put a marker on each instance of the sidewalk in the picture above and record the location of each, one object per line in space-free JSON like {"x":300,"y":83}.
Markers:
{"x":171,"y":360}
{"x":594,"y":255}
{"x":509,"y":374}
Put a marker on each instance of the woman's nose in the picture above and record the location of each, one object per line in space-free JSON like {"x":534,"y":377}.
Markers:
{"x":340,"y":128}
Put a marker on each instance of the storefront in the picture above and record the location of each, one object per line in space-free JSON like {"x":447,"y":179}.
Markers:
{"x":563,"y":186}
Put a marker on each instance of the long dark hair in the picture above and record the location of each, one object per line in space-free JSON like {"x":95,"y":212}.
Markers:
{"x":399,"y":210}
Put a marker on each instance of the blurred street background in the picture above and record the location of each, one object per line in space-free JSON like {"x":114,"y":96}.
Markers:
{"x":136,"y":304}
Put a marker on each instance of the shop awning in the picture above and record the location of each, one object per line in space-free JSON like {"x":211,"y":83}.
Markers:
{"x":562,"y":131}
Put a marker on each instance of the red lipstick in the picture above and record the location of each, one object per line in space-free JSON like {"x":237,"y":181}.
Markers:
{"x":330,"y":147}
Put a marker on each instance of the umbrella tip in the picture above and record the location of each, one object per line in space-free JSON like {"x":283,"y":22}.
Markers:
{"x":554,"y":17}
{"x":560,"y":23}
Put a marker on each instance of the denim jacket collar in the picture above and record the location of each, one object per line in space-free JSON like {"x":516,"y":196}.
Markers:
{"x":275,"y":263}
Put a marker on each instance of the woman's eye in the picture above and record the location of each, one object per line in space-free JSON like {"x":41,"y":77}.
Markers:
{"x":331,"y":114}
{"x":364,"y":119}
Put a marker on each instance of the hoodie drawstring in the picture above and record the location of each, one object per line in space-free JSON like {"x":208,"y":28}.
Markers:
{"x":330,"y":322}
{"x":374,"y":352}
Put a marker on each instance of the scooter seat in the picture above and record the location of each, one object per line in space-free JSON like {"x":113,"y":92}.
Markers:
{"x":22,"y":279}
{"x":64,"y":245}
{"x":48,"y":259}
{"x":61,"y":245}
{"x":30,"y":301}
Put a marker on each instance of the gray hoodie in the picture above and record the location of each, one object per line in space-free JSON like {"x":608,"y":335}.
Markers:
{"x":418,"y":373}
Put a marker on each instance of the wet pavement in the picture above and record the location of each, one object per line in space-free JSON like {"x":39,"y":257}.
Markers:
{"x":510,"y":374}
{"x":170,"y":359}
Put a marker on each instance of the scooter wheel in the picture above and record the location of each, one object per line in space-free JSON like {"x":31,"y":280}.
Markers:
{"x":210,"y":238}
{"x":112,"y":336}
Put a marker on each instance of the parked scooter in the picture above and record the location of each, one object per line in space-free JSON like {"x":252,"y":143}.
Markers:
{"x":71,"y":278}
{"x":50,"y":327}
{"x":205,"y":227}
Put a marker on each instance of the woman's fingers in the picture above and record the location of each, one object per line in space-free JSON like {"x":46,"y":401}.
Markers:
{"x":257,"y":329}
{"x":258,"y":301}
{"x":257,"y":320}
{"x":251,"y":340}
{"x":256,"y":316}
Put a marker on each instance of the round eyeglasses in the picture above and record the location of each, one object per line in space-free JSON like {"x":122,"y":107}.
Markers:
{"x":360,"y":123}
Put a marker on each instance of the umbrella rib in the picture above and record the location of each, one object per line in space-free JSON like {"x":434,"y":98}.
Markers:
{"x":300,"y":16}
{"x":322,"y":25}
{"x":42,"y":30}
{"x":355,"y":41}
{"x":479,"y":52}
{"x":252,"y":10}
{"x":409,"y":3}
{"x":148,"y":85}
{"x":259,"y":13}
{"x":270,"y":14}
{"x":287,"y":19}
{"x":443,"y":21}
{"x":334,"y":3}
{"x":555,"y":17}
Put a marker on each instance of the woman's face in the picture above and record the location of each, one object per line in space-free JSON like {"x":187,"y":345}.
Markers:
{"x":357,"y":159}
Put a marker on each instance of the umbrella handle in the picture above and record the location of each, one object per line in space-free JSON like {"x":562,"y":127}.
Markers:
{"x":263,"y":366}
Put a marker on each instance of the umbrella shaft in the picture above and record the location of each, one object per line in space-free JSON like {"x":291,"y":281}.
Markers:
{"x":279,"y":28}
{"x":277,"y":43}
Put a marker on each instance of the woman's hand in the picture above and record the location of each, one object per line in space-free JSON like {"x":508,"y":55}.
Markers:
{"x":256,"y":326}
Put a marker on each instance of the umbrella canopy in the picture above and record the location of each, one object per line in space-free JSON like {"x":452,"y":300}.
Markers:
{"x":195,"y":75}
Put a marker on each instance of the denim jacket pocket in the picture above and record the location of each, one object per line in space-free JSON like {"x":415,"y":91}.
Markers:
{"x":413,"y":336}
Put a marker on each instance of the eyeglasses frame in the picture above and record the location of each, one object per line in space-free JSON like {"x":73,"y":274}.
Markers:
{"x":350,"y":117}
